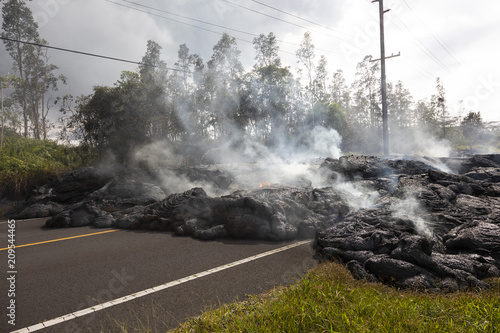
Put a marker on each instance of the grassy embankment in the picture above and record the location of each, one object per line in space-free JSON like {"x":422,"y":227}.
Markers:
{"x":328,"y":299}
{"x":25,"y":163}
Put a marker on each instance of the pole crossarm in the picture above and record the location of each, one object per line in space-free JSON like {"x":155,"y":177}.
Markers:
{"x":388,"y":57}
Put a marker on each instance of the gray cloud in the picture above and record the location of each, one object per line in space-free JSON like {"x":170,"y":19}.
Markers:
{"x":102,"y":27}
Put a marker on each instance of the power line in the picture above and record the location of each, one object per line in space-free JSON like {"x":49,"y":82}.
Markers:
{"x":428,"y":53}
{"x":281,"y":20}
{"x":201,"y":21}
{"x":181,"y":16}
{"x":300,"y":18}
{"x":196,"y":20}
{"x":424,"y":72}
{"x":437,"y":38}
{"x":425,"y":49}
{"x":174,"y":20}
{"x":86,"y":53}
{"x":188,"y":24}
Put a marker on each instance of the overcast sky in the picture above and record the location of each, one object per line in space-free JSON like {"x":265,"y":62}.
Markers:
{"x":455,"y":40}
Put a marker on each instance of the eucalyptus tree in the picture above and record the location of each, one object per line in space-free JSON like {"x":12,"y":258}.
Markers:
{"x":266,"y":51}
{"x":271,"y":87}
{"x":42,"y":80}
{"x":399,"y":104}
{"x":148,"y":93}
{"x":426,"y":116}
{"x":339,"y":91}
{"x":224,"y":76}
{"x":320,"y":87}
{"x":183,"y":85}
{"x":31,"y":64}
{"x":5,"y":82}
{"x":438,"y":102}
{"x":305,"y":55}
{"x":18,"y":25}
{"x":366,"y":93}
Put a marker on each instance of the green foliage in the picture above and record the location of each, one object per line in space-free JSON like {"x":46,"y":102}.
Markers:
{"x":25,"y":163}
{"x":35,"y":75}
{"x":328,"y":299}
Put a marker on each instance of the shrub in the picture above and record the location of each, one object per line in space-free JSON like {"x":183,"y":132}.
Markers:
{"x":25,"y":163}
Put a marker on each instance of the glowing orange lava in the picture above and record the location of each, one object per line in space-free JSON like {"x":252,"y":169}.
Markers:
{"x":264,"y":184}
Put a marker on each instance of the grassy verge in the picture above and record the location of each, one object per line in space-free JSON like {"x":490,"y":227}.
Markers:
{"x":26,"y":162}
{"x":328,"y":299}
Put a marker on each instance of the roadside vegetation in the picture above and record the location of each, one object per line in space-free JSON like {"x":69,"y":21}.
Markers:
{"x":26,"y":162}
{"x":329,"y":299}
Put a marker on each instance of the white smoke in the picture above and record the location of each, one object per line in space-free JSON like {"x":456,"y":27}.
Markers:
{"x":419,"y":142}
{"x":410,"y":208}
{"x":325,"y":142}
{"x":356,"y":194}
{"x":248,"y":161}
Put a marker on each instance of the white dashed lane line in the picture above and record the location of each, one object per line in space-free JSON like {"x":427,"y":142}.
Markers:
{"x":149,"y":291}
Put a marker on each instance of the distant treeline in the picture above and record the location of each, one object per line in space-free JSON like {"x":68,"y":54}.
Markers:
{"x":204,"y":104}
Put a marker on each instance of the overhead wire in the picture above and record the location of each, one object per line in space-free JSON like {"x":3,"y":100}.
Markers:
{"x":422,"y":46}
{"x":188,"y":24}
{"x":171,"y":19}
{"x":439,"y":40}
{"x":281,"y":20}
{"x":300,"y":18}
{"x":426,"y":50}
{"x":184,"y":17}
{"x":85,"y":53}
{"x":204,"y":22}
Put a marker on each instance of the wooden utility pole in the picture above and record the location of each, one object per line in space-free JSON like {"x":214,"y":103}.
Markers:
{"x":3,"y":119}
{"x":385,"y":125}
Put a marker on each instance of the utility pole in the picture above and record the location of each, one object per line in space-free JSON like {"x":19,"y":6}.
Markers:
{"x":3,"y":119}
{"x":385,"y":125}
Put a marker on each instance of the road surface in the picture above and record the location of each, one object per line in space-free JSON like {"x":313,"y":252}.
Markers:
{"x":62,"y":276}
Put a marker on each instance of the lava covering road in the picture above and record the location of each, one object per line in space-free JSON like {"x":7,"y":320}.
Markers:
{"x":410,"y":222}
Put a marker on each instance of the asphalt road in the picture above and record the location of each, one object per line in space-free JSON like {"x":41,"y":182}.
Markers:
{"x":72,"y":273}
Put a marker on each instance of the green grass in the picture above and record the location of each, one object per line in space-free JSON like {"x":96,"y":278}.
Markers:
{"x":328,"y":299}
{"x":26,"y":162}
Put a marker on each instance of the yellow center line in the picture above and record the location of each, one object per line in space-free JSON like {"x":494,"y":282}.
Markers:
{"x":61,"y":239}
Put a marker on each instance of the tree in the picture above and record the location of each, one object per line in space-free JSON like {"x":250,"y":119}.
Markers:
{"x":5,"y":82}
{"x":147,"y":91}
{"x":331,"y":116}
{"x":339,"y":91}
{"x":266,"y":49}
{"x":472,"y":128}
{"x":399,"y":102}
{"x":225,"y":60}
{"x":319,"y":84}
{"x":31,"y":63}
{"x":438,"y":102}
{"x":48,"y":81}
{"x":367,"y":111}
{"x":269,"y":87}
{"x":19,"y":25}
{"x":305,"y":55}
{"x":427,"y":117}
{"x":271,"y":91}
{"x":223,"y":79}
{"x":113,"y":118}
{"x":188,"y":63}
{"x":182,"y":90}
